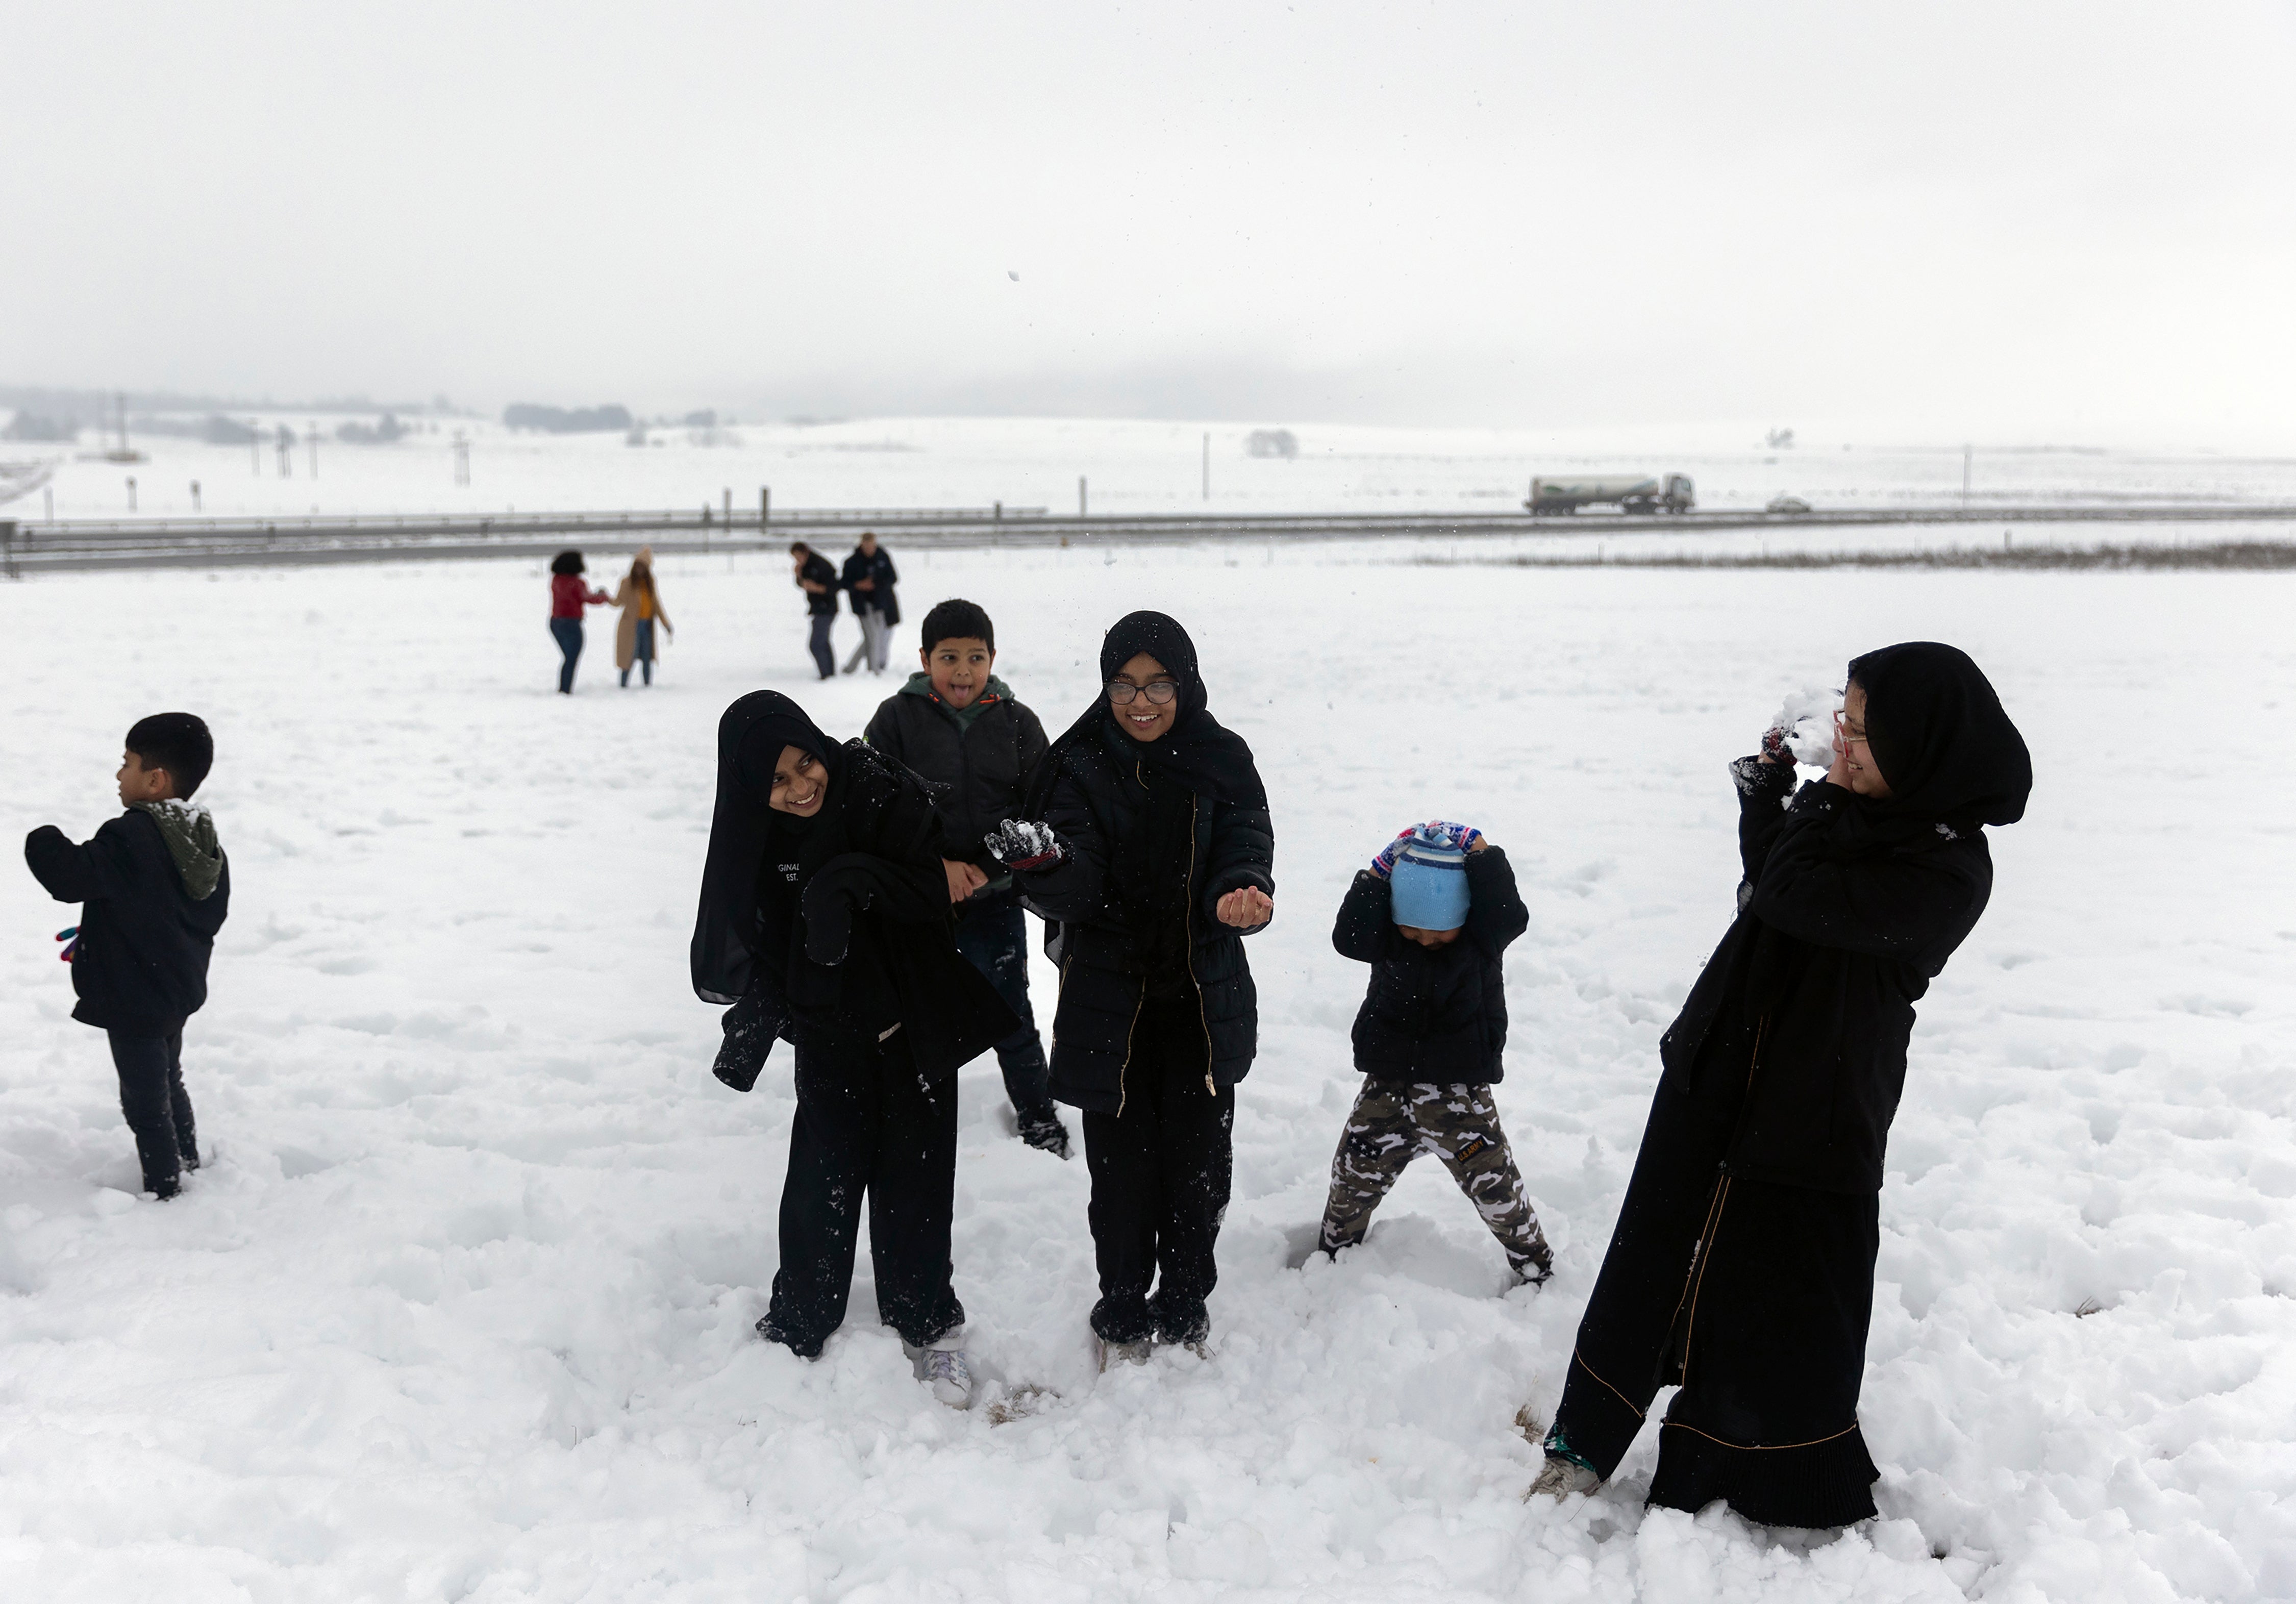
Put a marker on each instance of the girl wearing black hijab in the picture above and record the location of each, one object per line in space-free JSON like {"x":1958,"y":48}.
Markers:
{"x":1150,"y":859}
{"x":1741,"y":1266}
{"x":826,"y":922}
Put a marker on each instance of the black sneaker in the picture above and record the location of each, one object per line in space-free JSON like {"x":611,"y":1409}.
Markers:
{"x":1042,"y":1130}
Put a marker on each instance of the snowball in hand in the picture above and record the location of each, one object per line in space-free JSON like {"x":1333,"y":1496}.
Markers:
{"x":1807,"y":720}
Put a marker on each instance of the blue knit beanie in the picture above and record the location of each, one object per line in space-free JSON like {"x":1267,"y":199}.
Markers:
{"x":1430,"y":883}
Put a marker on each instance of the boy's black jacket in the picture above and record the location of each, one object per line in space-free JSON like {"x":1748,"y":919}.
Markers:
{"x":1794,"y":1035}
{"x":1433,"y":1014}
{"x":142,"y":967}
{"x":979,"y":773}
{"x":1097,"y":799}
{"x":821,"y":572}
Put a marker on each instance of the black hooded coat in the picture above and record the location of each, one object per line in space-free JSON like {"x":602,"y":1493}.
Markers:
{"x":838,"y":926}
{"x":1742,"y":1264}
{"x":1152,"y":835}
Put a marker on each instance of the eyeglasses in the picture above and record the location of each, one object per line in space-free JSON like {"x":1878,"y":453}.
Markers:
{"x":1842,"y":732}
{"x":1160,"y":692}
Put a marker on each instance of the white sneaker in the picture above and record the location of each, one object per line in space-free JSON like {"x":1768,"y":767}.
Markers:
{"x":1560,"y":1477}
{"x":1113,"y":1353}
{"x":943,"y":1367}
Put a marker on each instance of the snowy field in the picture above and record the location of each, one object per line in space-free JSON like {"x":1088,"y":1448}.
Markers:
{"x":1131,"y":467}
{"x":461,"y":1307}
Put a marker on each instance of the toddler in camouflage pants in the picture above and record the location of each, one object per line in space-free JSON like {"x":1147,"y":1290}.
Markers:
{"x":1433,"y":916}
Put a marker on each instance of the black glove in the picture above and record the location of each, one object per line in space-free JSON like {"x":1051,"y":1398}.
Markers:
{"x":1020,"y":845}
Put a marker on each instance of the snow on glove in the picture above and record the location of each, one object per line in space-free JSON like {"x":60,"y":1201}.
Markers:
{"x":1020,"y":844}
{"x":1462,"y":836}
{"x":70,"y":936}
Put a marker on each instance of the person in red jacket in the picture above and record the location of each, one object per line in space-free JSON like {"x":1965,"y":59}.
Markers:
{"x":568,"y":596}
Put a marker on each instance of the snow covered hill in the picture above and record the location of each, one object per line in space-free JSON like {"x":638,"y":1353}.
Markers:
{"x":461,"y":1306}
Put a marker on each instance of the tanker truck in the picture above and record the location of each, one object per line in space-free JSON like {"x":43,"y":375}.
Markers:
{"x":1628,"y":493}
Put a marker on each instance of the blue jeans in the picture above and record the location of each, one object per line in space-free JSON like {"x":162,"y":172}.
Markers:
{"x":824,"y":658}
{"x":995,"y":940}
{"x":568,"y":633}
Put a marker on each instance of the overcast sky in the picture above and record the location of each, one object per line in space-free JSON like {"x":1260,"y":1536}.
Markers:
{"x":2043,"y":221}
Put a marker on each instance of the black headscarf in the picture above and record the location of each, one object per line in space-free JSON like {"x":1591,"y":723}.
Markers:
{"x":1940,"y":737}
{"x":750,"y":737}
{"x":1197,"y":753}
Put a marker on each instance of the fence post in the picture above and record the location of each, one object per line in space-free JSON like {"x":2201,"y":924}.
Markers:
{"x":8,"y":547}
{"x":765,"y":508}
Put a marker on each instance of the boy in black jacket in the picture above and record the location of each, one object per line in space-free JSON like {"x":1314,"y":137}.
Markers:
{"x":156,"y":887}
{"x":1431,"y":916}
{"x":958,"y":726}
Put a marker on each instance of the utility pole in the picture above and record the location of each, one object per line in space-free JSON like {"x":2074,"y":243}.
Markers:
{"x":1208,"y":465}
{"x":1082,"y":505}
{"x":765,"y":508}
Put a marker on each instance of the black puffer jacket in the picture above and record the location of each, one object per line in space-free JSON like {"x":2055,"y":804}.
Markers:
{"x":1801,"y":1018}
{"x":979,"y":771}
{"x":1433,"y":1014}
{"x":1098,"y":799}
{"x":141,"y":965}
{"x":818,"y":569}
{"x":879,"y":597}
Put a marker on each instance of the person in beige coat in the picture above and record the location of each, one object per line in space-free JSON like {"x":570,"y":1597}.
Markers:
{"x":641,"y":605}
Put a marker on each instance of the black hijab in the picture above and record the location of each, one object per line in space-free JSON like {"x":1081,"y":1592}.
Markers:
{"x":1942,"y":740}
{"x":726,"y":928}
{"x":1197,"y":753}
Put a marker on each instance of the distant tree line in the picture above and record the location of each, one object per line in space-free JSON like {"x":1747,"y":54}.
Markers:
{"x":566,"y":420}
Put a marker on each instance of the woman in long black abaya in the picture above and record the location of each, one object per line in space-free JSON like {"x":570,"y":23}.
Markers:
{"x":1741,"y":1266}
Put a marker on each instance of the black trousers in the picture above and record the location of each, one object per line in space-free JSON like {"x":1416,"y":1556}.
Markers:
{"x":995,"y":940}
{"x":867,"y":1126}
{"x":1160,"y":1174}
{"x":159,"y":1111}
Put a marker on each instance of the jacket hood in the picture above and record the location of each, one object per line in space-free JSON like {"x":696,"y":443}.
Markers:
{"x":190,"y":831}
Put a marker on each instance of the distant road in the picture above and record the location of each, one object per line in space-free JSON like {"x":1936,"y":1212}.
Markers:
{"x":29,"y":547}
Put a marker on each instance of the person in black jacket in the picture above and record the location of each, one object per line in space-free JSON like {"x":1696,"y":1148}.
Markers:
{"x":959,"y":725}
{"x":1149,"y":847}
{"x":869,"y":576}
{"x":156,"y":888}
{"x":824,"y":922}
{"x":1741,"y":1266}
{"x":819,"y":582}
{"x":1433,"y":916}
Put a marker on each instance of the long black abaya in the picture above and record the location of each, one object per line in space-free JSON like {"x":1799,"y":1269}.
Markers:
{"x":1742,"y":1265}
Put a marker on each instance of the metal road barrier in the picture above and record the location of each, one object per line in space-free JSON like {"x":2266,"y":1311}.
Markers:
{"x":68,"y":544}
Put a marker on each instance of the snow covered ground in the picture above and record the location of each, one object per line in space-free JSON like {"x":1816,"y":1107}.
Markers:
{"x":461,"y":1306}
{"x":1132,"y":467}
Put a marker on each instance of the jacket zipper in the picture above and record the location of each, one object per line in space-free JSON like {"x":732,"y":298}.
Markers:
{"x":1195,"y":809}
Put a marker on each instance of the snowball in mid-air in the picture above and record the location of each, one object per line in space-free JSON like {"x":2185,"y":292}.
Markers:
{"x":1013,"y":276}
{"x":1807,"y":720}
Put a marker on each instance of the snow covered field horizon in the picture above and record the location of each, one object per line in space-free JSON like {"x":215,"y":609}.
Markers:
{"x":461,"y":1306}
{"x":1131,"y":466}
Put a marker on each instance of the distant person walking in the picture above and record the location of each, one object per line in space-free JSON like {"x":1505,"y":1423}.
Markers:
{"x":869,"y":579}
{"x":641,"y":605}
{"x":819,"y":582}
{"x":568,"y":596}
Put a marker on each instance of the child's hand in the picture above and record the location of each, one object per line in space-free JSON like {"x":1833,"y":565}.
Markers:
{"x":1020,"y":845}
{"x":963,"y":879}
{"x":1247,"y":908}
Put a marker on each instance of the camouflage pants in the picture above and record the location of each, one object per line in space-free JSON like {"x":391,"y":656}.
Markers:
{"x":1393,"y":1123}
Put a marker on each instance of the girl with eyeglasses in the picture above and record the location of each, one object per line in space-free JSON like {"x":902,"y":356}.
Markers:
{"x":1147,"y":847}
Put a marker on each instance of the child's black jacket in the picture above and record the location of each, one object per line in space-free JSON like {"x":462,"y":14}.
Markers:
{"x":979,"y":771}
{"x":142,"y":967}
{"x":1433,"y":1014}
